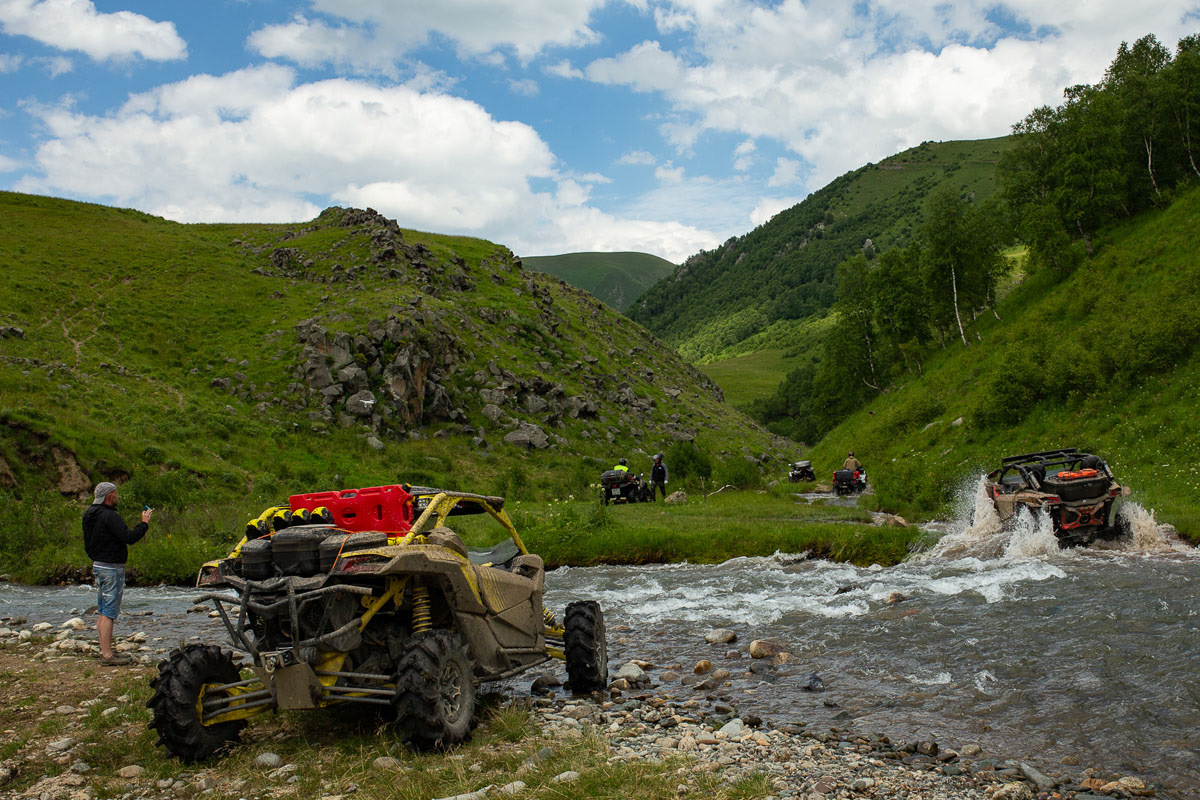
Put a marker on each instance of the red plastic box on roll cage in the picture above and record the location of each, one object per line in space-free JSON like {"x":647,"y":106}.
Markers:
{"x":375,"y":508}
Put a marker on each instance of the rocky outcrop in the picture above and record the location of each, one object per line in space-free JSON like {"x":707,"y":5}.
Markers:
{"x":390,"y":378}
{"x":390,"y":256}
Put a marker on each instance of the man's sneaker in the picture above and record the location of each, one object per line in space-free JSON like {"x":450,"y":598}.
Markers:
{"x":115,"y":660}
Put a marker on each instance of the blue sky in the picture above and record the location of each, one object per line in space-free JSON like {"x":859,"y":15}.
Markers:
{"x":551,"y":126}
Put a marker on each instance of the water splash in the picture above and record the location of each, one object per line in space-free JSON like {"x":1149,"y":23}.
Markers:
{"x":1032,"y":536}
{"x":976,"y":531}
{"x":1146,"y":534}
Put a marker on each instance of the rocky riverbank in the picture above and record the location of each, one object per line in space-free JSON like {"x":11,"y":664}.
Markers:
{"x":77,"y":731}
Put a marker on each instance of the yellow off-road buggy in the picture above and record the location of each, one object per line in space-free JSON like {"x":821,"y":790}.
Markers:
{"x":410,"y":620}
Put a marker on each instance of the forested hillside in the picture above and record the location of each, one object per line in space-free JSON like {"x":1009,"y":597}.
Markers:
{"x":1109,"y":152}
{"x":785,"y":268}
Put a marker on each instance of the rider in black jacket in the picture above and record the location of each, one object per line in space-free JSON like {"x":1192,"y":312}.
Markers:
{"x":106,"y":539}
{"x":658,"y":477}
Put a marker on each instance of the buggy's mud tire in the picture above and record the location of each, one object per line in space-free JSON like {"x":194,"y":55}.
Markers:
{"x":586,"y":646}
{"x":435,"y":691}
{"x":178,"y":688}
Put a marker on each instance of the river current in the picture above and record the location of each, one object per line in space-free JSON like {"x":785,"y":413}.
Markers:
{"x":993,"y":637}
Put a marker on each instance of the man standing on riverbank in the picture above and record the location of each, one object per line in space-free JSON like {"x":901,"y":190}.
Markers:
{"x":658,"y":477}
{"x":106,"y":538}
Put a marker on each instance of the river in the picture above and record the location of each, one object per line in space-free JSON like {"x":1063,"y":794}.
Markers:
{"x":993,"y":637}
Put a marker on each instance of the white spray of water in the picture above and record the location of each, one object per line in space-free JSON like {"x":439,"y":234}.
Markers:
{"x":1032,"y":536}
{"x":1147,"y":534}
{"x":976,"y":531}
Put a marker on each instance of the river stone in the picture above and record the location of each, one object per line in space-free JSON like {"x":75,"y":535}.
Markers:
{"x":1013,"y":791}
{"x":630,"y":672}
{"x":702,"y":667}
{"x":971,"y":750}
{"x":720,"y":636}
{"x":720,"y":675}
{"x":570,"y":776}
{"x":131,"y":771}
{"x":268,"y":760}
{"x":516,"y":787}
{"x":388,"y":764}
{"x":41,"y":627}
{"x":812,"y":683}
{"x":766,"y":648}
{"x":1039,"y":780}
{"x":669,"y":676}
{"x":75,"y":624}
{"x":733,"y":729}
{"x":1123,"y":785}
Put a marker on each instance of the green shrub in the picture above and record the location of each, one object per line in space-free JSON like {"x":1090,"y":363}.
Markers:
{"x":737,"y":471}
{"x":687,"y":462}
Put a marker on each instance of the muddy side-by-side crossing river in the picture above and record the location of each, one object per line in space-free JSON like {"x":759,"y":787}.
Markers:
{"x":1000,"y":640}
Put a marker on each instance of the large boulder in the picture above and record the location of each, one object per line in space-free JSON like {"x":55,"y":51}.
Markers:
{"x":528,"y":436}
{"x":361,"y":404}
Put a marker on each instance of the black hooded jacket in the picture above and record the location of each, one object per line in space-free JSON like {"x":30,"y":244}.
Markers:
{"x":106,"y":537}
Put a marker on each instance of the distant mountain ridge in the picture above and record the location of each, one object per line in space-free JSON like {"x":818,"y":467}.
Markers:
{"x":784,"y":268}
{"x":617,"y":279}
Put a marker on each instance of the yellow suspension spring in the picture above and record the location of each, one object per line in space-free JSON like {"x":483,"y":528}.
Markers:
{"x":421,"y":615}
{"x":548,"y":615}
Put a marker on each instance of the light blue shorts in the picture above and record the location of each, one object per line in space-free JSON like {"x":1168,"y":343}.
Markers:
{"x":110,"y":584}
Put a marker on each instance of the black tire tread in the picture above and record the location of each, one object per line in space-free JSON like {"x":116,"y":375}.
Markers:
{"x":586,"y":646}
{"x":420,"y":716}
{"x":173,"y":704}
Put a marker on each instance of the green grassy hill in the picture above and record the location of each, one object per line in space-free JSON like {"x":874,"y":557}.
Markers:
{"x":238,"y":364}
{"x":615,"y":278}
{"x":1105,"y":358}
{"x":784,"y":269}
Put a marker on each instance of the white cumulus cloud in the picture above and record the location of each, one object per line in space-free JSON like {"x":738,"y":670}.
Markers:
{"x":638,"y":158}
{"x":840,"y":84}
{"x":369,"y":34}
{"x":254,"y":145}
{"x":77,"y":25}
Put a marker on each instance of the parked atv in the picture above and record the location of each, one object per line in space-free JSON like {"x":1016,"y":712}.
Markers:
{"x":1076,"y":489}
{"x":801,"y":471}
{"x":619,"y":486}
{"x":407,"y":619}
{"x":849,"y":481}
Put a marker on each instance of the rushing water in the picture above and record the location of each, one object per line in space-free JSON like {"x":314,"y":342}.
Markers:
{"x":1001,"y":639}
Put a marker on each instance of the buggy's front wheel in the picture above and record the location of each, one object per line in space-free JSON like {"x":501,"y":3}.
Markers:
{"x":184,"y":680}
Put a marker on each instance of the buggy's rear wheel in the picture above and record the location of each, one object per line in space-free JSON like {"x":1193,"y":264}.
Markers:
{"x":435,"y":691}
{"x":586,"y":646}
{"x":183,"y":681}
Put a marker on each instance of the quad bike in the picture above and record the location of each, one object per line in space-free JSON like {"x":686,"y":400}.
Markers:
{"x":406,"y":619}
{"x":849,"y":481}
{"x":801,"y":471}
{"x":619,"y":486}
{"x":1076,"y":489}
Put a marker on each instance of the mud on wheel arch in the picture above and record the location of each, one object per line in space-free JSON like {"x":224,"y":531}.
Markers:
{"x":368,"y":597}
